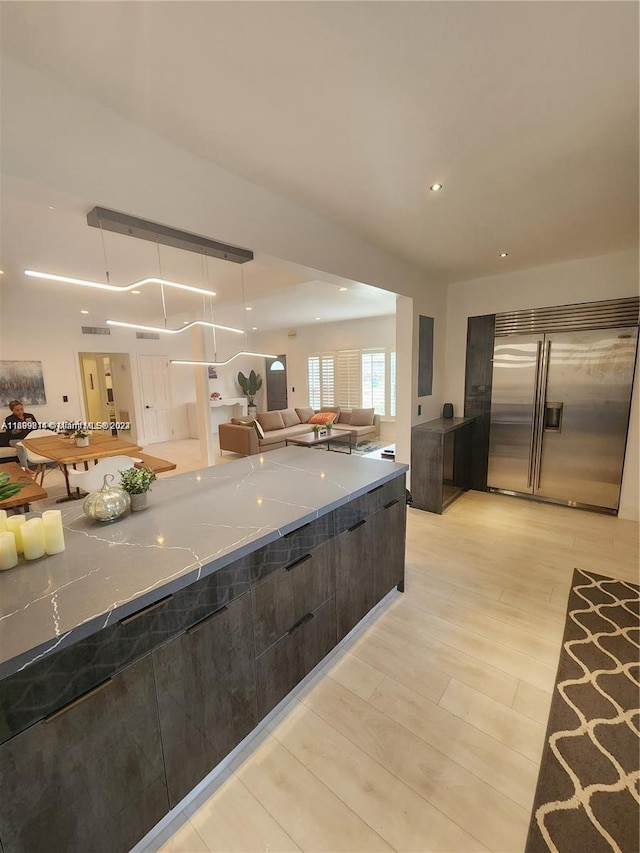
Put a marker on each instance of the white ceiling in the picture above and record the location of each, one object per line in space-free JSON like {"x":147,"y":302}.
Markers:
{"x":527,"y":113}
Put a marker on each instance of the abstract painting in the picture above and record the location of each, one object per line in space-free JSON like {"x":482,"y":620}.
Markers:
{"x":22,"y":380}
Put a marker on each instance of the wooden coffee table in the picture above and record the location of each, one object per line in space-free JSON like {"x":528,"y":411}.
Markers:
{"x":31,"y":492}
{"x":310,"y":439}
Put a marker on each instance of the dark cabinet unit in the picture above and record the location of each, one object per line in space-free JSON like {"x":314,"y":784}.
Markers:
{"x":90,"y":776}
{"x":440,"y":462}
{"x":206,"y":694}
{"x":209,"y":662}
{"x":284,"y":664}
{"x":354,"y":575}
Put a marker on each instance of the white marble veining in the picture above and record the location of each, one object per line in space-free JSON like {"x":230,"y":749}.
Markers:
{"x":196,"y":523}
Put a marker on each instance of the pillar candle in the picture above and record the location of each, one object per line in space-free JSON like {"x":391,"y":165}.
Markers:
{"x":8,"y":552}
{"x":3,"y":520}
{"x":53,"y":531}
{"x":33,"y":538}
{"x":14,"y":523}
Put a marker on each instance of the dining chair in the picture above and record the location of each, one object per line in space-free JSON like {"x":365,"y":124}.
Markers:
{"x":88,"y":481}
{"x":34,"y":462}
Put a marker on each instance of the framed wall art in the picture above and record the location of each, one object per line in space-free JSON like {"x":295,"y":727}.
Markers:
{"x":22,"y":380}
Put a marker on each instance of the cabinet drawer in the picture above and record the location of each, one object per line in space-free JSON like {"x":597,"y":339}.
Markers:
{"x":364,"y":506}
{"x":206,"y":694}
{"x":286,"y":663}
{"x":298,"y":588}
{"x":90,"y":776}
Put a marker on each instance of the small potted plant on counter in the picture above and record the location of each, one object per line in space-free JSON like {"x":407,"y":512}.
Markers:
{"x":81,"y":437}
{"x":137,"y":482}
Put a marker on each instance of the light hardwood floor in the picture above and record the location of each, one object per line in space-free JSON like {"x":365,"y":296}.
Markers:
{"x":424,"y":732}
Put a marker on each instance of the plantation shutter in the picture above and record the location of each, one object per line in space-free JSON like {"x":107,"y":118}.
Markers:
{"x":373,"y":381}
{"x":392,"y":384}
{"x":327,"y":381}
{"x":348,"y":379}
{"x":313,"y":375}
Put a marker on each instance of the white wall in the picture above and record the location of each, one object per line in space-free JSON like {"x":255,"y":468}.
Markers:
{"x":585,"y":280}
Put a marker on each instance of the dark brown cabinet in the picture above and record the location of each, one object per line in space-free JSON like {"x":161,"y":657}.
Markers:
{"x":388,"y":547}
{"x":90,"y":776}
{"x":206,"y":694}
{"x":355,"y":594}
{"x":285,"y":663}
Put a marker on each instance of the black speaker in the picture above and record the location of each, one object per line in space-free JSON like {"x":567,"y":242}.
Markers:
{"x":447,"y":410}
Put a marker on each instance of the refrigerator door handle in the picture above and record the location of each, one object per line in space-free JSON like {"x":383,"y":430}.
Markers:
{"x":544,"y":373}
{"x":534,"y":419}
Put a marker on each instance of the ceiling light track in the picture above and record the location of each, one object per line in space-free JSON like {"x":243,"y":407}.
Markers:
{"x":174,"y":331}
{"x":118,"y":288}
{"x":143,"y":229}
{"x":221,"y":363}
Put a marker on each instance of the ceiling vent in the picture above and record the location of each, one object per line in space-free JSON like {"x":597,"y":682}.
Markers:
{"x":149,"y":336}
{"x":96,"y":330}
{"x":292,"y":333}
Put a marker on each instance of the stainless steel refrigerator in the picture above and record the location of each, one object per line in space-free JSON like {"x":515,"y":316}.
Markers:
{"x":560,"y":413}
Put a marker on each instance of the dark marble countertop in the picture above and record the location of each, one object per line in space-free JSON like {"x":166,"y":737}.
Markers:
{"x":196,"y":523}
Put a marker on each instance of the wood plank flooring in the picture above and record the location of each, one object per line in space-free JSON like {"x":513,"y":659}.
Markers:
{"x":424,"y":732}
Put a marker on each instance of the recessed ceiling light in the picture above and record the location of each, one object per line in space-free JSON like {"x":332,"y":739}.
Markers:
{"x":342,"y":289}
{"x":84,"y":311}
{"x":248,"y":308}
{"x":185,"y":322}
{"x":51,"y":207}
{"x":504,"y":254}
{"x":254,"y":328}
{"x":136,"y":292}
{"x":318,"y":318}
{"x":1,"y":272}
{"x":435,"y":188}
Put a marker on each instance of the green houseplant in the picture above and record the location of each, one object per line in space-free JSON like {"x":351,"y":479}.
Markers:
{"x":81,"y":437}
{"x":250,"y":385}
{"x":137,"y":482}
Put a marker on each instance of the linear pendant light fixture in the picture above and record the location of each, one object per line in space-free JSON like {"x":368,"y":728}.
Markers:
{"x":117,"y":288}
{"x":174,"y":331}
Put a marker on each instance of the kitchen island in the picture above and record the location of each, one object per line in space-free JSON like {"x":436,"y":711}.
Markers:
{"x":135,"y":661}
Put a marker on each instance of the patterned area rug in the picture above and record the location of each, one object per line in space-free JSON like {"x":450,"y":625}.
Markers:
{"x":587,"y":796}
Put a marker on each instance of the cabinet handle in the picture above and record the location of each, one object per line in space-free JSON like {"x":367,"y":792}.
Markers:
{"x":51,"y":717}
{"x":300,"y":622}
{"x":358,"y":524}
{"x":197,"y":625}
{"x":391,"y":503}
{"x":146,"y":610}
{"x":297,"y":562}
{"x":377,"y":489}
{"x":297,"y":530}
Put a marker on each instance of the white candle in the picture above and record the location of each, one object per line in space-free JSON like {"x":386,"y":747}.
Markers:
{"x":8,"y":552}
{"x":14,"y":523}
{"x":53,"y":531}
{"x":33,"y":538}
{"x":3,"y":520}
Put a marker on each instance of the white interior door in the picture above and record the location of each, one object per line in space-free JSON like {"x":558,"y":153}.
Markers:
{"x":154,"y":376}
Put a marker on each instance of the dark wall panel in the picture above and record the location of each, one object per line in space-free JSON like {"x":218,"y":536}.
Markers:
{"x":425,"y":357}
{"x":477,"y":393}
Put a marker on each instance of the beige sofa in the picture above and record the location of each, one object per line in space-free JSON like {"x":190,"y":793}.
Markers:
{"x":241,"y":436}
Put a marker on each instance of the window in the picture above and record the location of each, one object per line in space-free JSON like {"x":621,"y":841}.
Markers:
{"x":320,"y":373}
{"x":353,"y":379}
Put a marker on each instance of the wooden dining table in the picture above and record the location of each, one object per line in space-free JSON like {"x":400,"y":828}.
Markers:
{"x":31,"y":491}
{"x":63,"y":450}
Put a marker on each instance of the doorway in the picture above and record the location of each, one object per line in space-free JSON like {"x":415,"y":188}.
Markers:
{"x":156,"y":400}
{"x":107,"y":389}
{"x":276,"y":383}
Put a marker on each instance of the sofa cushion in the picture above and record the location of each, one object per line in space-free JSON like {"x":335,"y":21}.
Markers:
{"x":289,"y":417}
{"x":335,"y":409}
{"x":305,"y":413}
{"x":362,"y":417}
{"x":270,"y":420}
{"x":243,"y":421}
{"x":323,"y":418}
{"x":345,"y":416}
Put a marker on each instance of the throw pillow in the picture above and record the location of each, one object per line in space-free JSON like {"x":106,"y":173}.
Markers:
{"x":345,"y":417}
{"x":335,"y":409}
{"x":362,"y":417}
{"x":258,"y":429}
{"x":304,"y":414}
{"x":270,"y":420}
{"x":289,"y":417}
{"x":242,"y":421}
{"x":323,"y":418}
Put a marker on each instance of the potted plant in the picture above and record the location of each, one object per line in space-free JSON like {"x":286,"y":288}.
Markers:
{"x":81,"y":437}
{"x":137,"y":482}
{"x":250,"y":385}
